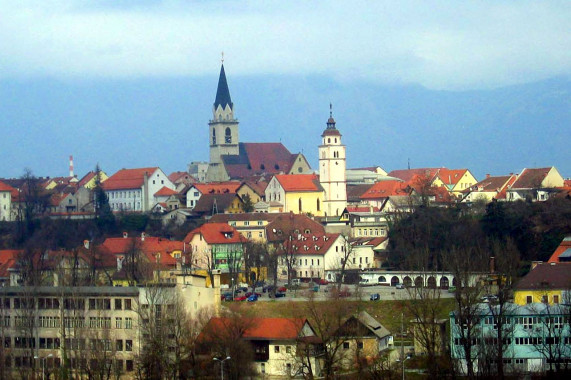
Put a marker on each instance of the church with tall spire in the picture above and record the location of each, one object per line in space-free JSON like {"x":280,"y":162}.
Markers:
{"x":231,"y":159}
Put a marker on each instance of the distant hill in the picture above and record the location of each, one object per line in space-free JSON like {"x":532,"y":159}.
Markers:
{"x":128,"y":123}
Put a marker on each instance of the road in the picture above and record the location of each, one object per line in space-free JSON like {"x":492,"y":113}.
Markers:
{"x":363,"y":292}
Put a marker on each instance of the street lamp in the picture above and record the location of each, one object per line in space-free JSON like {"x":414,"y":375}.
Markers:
{"x":221,"y":366}
{"x":43,"y":361}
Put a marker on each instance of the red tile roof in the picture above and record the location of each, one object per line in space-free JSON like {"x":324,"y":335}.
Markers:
{"x":563,"y":247}
{"x":259,"y":158}
{"x":299,"y":182}
{"x":384,"y":189}
{"x":409,"y":175}
{"x":310,"y":244}
{"x":165,"y":192}
{"x":8,"y":259}
{"x":6,"y":187}
{"x":263,"y":328}
{"x":451,"y":176}
{"x":351,"y":209}
{"x":184,"y":177}
{"x":218,"y":187}
{"x":128,"y":178}
{"x":216,"y":233}
{"x":150,"y":246}
{"x":287,"y":223}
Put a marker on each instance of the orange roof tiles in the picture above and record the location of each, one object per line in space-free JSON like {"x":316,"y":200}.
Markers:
{"x":216,"y":233}
{"x":565,"y":246}
{"x":409,"y":175}
{"x":128,"y":178}
{"x":165,"y":192}
{"x":218,"y":187}
{"x":451,"y":176}
{"x":150,"y":246}
{"x":530,"y":178}
{"x":263,"y":328}
{"x":299,"y":182}
{"x":384,"y":189}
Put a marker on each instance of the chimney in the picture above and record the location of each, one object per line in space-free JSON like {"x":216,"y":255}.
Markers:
{"x":492,"y":264}
{"x":125,"y":235}
{"x":142,"y":236}
{"x":120,"y":263}
{"x":487,"y":176}
{"x":71,"y":166}
{"x":86,"y":244}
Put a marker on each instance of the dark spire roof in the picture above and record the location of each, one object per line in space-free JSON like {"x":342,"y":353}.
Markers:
{"x":331,"y":120}
{"x":223,"y":93}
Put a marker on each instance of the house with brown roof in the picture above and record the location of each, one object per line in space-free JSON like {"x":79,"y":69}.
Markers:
{"x":488,"y":189}
{"x":389,"y":196}
{"x":536,"y":184}
{"x":281,"y":347}
{"x":251,"y":225}
{"x":197,"y":190}
{"x":297,"y":193}
{"x":132,"y":190}
{"x":546,"y":283}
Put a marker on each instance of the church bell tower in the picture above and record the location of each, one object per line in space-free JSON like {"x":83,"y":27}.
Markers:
{"x":223,"y":130}
{"x":332,"y":169}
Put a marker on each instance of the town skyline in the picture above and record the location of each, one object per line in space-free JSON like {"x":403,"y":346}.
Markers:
{"x":467,"y":87}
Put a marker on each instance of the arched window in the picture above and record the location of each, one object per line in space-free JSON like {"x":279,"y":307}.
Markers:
{"x":299,"y":204}
{"x":214,"y":137}
{"x":328,"y":140}
{"x":228,"y":136}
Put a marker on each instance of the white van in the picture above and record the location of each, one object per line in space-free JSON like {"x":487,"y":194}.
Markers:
{"x":295,"y":281}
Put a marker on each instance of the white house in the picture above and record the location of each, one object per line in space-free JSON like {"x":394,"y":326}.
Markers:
{"x":5,"y":201}
{"x":134,"y":189}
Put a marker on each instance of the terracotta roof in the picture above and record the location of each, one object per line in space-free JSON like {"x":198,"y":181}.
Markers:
{"x":503,"y":192}
{"x":250,"y":216}
{"x":531,"y":178}
{"x":547,"y":276}
{"x":563,"y":249}
{"x":259,"y":187}
{"x":384,"y":189}
{"x":6,"y":187}
{"x":299,"y":182}
{"x":149,"y":246}
{"x":258,"y":158}
{"x":86,"y":178}
{"x":165,"y":192}
{"x":287,"y":223}
{"x":265,"y":328}
{"x":216,"y":233}
{"x":354,"y":192}
{"x":451,"y":176}
{"x":128,"y":178}
{"x":184,"y":177}
{"x":8,"y":259}
{"x":491,"y":183}
{"x":218,"y":187}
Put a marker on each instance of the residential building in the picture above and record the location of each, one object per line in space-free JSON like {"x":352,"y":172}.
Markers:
{"x":6,"y":202}
{"x":279,"y":345}
{"x":488,"y":189}
{"x":454,"y":180}
{"x":364,"y":339}
{"x":365,"y":221}
{"x":381,"y":193}
{"x":197,"y":190}
{"x":251,"y":226}
{"x":547,"y":283}
{"x":133,"y":189}
{"x":537,"y":184}
{"x":368,"y":175}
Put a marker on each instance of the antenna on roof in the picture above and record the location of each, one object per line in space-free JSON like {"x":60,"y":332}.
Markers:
{"x":409,"y":164}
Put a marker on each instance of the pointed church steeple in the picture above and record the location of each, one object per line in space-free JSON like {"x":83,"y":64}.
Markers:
{"x":331,"y":120}
{"x":223,"y":93}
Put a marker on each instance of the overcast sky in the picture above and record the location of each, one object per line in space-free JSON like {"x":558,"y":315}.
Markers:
{"x":438,"y":44}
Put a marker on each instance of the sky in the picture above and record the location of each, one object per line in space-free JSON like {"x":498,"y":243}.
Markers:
{"x":438,"y":45}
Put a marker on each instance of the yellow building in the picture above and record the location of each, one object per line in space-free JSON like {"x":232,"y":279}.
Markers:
{"x":546,"y":282}
{"x":297,"y":193}
{"x":454,"y":180}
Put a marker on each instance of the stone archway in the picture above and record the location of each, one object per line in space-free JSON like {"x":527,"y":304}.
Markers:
{"x":431,"y":282}
{"x":394,"y":280}
{"x":444,"y":283}
{"x":418,"y":282}
{"x":454,"y":282}
{"x":407,"y":281}
{"x":382,"y":279}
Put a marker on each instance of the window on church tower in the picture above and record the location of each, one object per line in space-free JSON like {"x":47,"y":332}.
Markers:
{"x":228,"y":137}
{"x":214,"y":136}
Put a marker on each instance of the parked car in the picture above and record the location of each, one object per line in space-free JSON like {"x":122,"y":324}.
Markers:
{"x":253,"y":298}
{"x":399,"y":286}
{"x":375,"y":297}
{"x":253,"y":293}
{"x":240,"y":298}
{"x":282,"y":289}
{"x":364,"y":281}
{"x":280,"y":294}
{"x":226,"y":297}
{"x":323,"y":281}
{"x":489,"y":298}
{"x":451,"y":289}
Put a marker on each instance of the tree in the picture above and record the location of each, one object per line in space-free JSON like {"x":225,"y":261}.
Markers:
{"x":103,"y":214}
{"x":34,"y":202}
{"x":248,"y":204}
